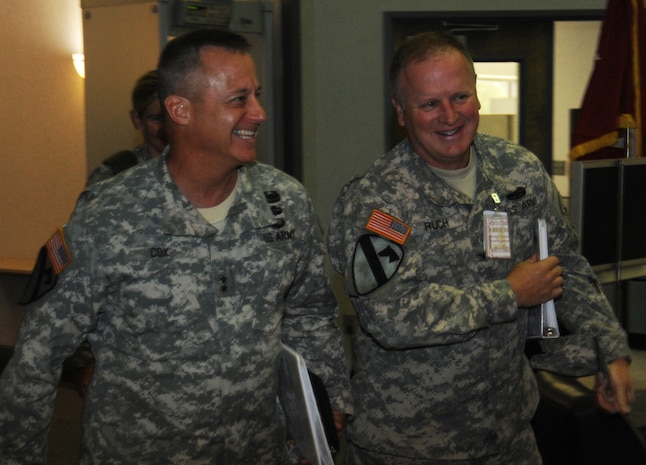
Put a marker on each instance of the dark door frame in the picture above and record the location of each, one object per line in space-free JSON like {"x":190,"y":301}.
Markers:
{"x":535,"y":102}
{"x":292,"y":136}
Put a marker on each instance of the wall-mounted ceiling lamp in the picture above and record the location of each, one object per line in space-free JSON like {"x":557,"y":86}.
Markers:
{"x":79,"y":63}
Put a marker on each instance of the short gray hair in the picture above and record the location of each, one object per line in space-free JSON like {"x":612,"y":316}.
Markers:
{"x":418,"y":48}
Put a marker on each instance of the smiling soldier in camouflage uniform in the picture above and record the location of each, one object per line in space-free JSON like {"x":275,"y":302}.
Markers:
{"x":441,"y":375}
{"x":185,"y":316}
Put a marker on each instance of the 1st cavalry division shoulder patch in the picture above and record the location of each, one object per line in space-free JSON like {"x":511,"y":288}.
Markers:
{"x":375,"y":261}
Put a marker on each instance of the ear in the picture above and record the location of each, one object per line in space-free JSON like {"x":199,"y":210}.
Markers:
{"x":399,"y":110}
{"x":136,"y":121}
{"x":177,"y":109}
{"x":475,"y":90}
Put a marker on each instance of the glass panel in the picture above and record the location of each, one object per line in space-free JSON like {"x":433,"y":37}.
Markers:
{"x":497,"y":87}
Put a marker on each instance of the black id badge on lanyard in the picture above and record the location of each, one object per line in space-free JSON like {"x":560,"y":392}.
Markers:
{"x":496,"y":231}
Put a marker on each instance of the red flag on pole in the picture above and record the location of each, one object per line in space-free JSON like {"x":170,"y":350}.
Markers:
{"x":613,"y":100}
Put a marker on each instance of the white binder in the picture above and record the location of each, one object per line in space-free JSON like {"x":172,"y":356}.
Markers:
{"x":541,"y":320}
{"x":298,"y":401}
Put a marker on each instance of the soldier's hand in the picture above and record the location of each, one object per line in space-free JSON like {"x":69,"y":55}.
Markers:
{"x":616,"y":394}
{"x":339,"y":422}
{"x":536,"y":281}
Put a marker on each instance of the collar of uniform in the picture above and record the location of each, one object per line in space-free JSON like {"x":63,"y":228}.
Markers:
{"x":490,"y":177}
{"x":178,"y":216}
{"x":250,"y":210}
{"x":433,"y":187}
{"x":494,"y":176}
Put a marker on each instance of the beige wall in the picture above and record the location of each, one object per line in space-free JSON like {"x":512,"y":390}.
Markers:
{"x":573,"y":65}
{"x":42,"y":142}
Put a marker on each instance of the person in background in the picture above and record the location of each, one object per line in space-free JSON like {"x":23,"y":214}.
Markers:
{"x":146,"y":115}
{"x":186,"y":274}
{"x":441,"y":376}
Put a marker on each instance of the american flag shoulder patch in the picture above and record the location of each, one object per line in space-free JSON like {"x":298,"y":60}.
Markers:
{"x":58,"y":251}
{"x":388,"y":227}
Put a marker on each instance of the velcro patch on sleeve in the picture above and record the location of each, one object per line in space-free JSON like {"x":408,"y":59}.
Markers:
{"x":388,"y":226}
{"x":58,"y":251}
{"x":52,"y":259}
{"x":374,"y":263}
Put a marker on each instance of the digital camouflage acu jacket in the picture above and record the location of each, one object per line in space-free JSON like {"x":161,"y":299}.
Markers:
{"x":185,"y":320}
{"x":440,"y":369}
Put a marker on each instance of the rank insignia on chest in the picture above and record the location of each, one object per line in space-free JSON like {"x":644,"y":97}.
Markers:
{"x":225,"y":283}
{"x":387,"y":226}
{"x":375,"y":261}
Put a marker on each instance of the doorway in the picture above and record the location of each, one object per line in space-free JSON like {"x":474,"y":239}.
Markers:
{"x":527,"y":41}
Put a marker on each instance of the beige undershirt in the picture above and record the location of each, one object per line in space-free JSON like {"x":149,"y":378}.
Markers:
{"x":217,"y":214}
{"x":463,"y":179}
